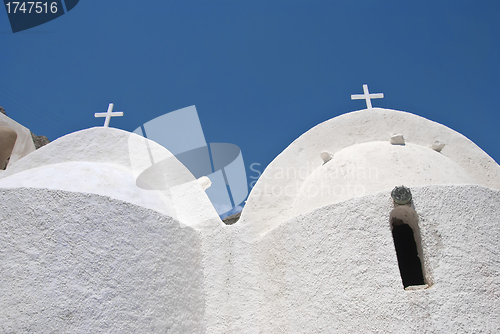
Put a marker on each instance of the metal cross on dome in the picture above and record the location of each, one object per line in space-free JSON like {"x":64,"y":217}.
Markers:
{"x":108,"y":114}
{"x":367,"y":96}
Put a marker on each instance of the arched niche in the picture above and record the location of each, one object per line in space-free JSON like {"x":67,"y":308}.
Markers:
{"x":8,"y":139}
{"x":408,"y":246}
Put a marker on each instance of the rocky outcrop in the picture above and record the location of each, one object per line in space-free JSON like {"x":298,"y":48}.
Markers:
{"x":230,"y":220}
{"x":2,"y":110}
{"x":39,"y":141}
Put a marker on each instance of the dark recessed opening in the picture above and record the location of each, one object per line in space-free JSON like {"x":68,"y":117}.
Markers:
{"x":406,"y":249}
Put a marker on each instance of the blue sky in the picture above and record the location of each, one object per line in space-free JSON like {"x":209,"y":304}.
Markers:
{"x":260,"y":73}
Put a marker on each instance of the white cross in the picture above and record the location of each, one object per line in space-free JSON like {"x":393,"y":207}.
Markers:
{"x":108,"y":114}
{"x":367,"y":96}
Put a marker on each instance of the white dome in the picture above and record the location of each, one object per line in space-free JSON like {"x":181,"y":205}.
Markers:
{"x":367,"y":168}
{"x":362,"y":139}
{"x":118,"y":164}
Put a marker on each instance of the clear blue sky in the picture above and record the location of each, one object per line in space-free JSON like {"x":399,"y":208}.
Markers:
{"x":260,"y":73}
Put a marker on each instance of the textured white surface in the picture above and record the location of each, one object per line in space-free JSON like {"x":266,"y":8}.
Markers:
{"x":83,"y":263}
{"x":118,"y":164}
{"x":84,"y":253}
{"x":335,"y":270}
{"x":397,"y":139}
{"x":24,"y":143}
{"x":95,"y":178}
{"x":367,"y":168}
{"x":273,"y":198}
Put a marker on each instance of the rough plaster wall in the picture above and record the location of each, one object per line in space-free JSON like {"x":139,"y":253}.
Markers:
{"x":82,"y":263}
{"x":334,"y":270}
{"x":271,"y":200}
{"x":78,"y":263}
{"x":232,"y":279}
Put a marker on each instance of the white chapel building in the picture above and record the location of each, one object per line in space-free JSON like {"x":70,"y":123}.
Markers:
{"x":376,"y":221}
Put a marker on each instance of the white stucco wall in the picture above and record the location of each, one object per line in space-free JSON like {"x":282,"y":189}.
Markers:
{"x":84,"y":263}
{"x":335,"y":270}
{"x":88,"y":245}
{"x":274,"y":197}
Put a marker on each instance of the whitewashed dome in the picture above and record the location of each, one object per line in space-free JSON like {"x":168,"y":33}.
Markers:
{"x":118,"y":164}
{"x":362,"y":140}
{"x":366,"y":168}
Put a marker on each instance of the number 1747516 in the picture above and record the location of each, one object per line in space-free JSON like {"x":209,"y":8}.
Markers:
{"x":31,"y":7}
